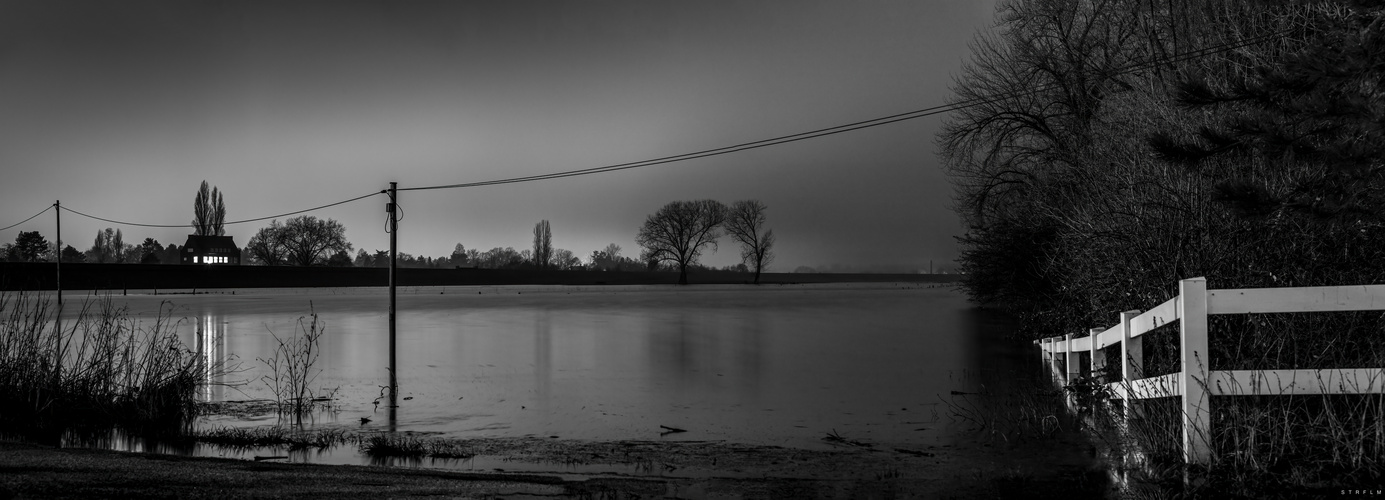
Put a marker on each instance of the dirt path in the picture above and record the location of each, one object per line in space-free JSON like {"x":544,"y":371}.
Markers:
{"x":697,"y":471}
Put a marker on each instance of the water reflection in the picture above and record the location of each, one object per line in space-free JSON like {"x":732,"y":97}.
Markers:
{"x":211,"y":348}
{"x":755,"y":365}
{"x":751,"y":344}
{"x":119,"y":440}
{"x":543,"y":360}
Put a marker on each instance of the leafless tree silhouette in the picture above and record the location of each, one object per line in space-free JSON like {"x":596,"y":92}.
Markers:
{"x":543,"y":244}
{"x":745,"y":222}
{"x":679,"y":231}
{"x":208,"y":212}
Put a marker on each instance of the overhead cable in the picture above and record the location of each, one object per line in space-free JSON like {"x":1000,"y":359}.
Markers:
{"x":112,"y":221}
{"x":812,"y":134}
{"x":50,"y":207}
{"x":920,"y":113}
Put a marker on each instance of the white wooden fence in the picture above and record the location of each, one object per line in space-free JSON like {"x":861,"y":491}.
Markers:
{"x":1195,"y":383}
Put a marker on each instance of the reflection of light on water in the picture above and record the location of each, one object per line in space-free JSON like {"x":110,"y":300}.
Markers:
{"x":211,"y":347}
{"x":117,"y":440}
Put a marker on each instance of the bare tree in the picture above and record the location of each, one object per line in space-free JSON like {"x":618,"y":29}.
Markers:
{"x":606,"y":259}
{"x":267,"y":246}
{"x":678,"y":232}
{"x":745,"y":222}
{"x":218,"y":214}
{"x":109,"y":247}
{"x":499,"y":258}
{"x":202,"y":211}
{"x":563,"y":260}
{"x":543,"y":244}
{"x":208,"y":212}
{"x":308,"y":240}
{"x":458,"y":256}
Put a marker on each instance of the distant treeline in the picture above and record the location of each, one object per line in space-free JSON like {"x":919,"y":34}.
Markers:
{"x":41,"y":276}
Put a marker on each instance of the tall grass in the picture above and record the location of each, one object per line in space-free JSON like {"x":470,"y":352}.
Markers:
{"x":1263,"y":446}
{"x":102,"y":368}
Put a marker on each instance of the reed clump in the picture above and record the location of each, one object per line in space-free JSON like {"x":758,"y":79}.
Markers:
{"x":99,"y":369}
{"x":292,"y":371}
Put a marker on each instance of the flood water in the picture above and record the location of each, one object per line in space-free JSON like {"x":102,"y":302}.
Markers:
{"x":773,"y":365}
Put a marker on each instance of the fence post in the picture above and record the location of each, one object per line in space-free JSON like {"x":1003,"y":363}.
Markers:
{"x":1132,"y":364}
{"x":1192,"y":301}
{"x":1053,"y":372}
{"x":1071,"y":367}
{"x":1098,"y":355}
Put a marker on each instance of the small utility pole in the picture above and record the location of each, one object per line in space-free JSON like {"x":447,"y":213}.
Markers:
{"x":393,"y":210}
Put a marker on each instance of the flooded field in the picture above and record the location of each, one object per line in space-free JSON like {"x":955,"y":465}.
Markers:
{"x":771,"y":365}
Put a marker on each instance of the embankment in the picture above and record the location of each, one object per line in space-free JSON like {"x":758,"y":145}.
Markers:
{"x":16,"y":276}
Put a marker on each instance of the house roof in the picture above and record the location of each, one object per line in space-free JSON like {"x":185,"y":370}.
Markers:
{"x":199,"y":242}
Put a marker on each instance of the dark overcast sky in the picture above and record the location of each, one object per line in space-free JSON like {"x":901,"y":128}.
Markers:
{"x":120,"y":109}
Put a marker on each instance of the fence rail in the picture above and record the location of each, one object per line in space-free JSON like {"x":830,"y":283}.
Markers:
{"x":1195,"y":383}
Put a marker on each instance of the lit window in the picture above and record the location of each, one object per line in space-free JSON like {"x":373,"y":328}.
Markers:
{"x":194,"y":259}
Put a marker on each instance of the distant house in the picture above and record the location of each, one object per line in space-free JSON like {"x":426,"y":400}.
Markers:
{"x":216,"y":250}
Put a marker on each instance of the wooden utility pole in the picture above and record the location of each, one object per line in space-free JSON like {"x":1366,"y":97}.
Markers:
{"x":393,"y":210}
{"x":58,"y":320}
{"x":58,"y":205}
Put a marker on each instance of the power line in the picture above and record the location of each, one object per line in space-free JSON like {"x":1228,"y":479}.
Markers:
{"x":50,"y":207}
{"x":329,"y":205}
{"x":112,"y":221}
{"x":813,"y":134}
{"x":935,"y":110}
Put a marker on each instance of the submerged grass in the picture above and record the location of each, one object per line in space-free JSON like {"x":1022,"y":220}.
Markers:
{"x":410,"y":446}
{"x":101,"y":369}
{"x":1012,"y":408}
{"x":294,"y":439}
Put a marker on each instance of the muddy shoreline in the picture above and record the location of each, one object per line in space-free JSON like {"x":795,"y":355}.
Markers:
{"x":1062,"y":467}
